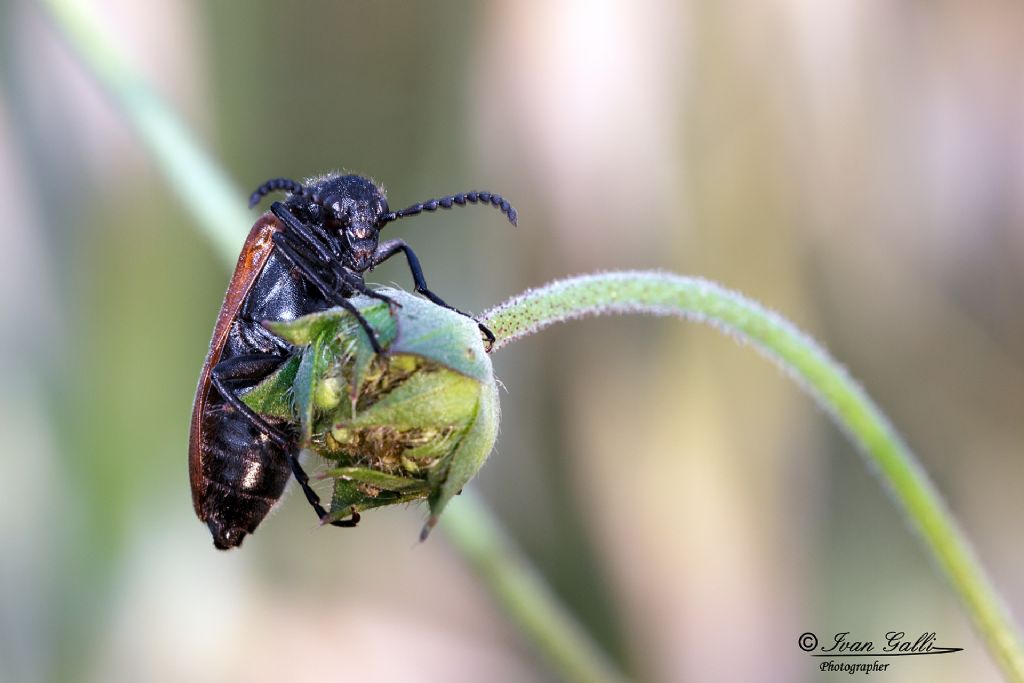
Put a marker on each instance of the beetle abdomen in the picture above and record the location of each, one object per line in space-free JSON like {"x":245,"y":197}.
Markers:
{"x":244,"y":471}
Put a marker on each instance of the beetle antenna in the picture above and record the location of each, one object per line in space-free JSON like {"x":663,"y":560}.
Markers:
{"x":448,"y":202}
{"x":283,"y":184}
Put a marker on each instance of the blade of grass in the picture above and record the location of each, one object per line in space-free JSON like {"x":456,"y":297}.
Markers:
{"x":201,"y":185}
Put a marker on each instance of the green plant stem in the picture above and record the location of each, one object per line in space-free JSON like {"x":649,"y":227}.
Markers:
{"x":469,"y":524}
{"x":196,"y":179}
{"x":218,"y":209}
{"x":822,"y":377}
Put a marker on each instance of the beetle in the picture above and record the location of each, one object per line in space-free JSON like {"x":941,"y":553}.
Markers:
{"x":307,"y":254}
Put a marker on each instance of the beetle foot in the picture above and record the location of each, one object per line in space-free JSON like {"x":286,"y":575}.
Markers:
{"x":488,"y":336}
{"x":351,"y":522}
{"x":375,"y":343}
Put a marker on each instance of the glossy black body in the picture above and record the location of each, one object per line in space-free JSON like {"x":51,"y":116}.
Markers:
{"x":307,"y":254}
{"x":244,"y":471}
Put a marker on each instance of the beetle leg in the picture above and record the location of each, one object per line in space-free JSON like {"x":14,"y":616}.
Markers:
{"x":248,"y":367}
{"x":356,"y":282}
{"x":288,"y":253}
{"x":305,"y":236}
{"x":306,"y":252}
{"x":374,"y":294}
{"x":388,"y":249}
{"x":313,"y":498}
{"x":255,"y":367}
{"x":312,"y":235}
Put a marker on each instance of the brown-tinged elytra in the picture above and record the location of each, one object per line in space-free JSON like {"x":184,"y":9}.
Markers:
{"x":307,"y":254}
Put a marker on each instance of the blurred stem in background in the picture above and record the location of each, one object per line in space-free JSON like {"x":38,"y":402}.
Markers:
{"x":218,"y":209}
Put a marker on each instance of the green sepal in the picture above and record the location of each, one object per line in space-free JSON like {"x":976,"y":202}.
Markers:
{"x":360,"y":488}
{"x":348,"y":498}
{"x":387,"y":482}
{"x":273,"y":396}
{"x":470,"y":453}
{"x":449,"y":339}
{"x":302,"y":331}
{"x":309,"y":374}
{"x":436,"y":399}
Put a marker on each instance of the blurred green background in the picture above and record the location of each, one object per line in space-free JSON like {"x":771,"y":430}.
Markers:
{"x":859,"y":166}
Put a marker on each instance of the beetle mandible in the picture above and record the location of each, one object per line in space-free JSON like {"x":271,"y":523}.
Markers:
{"x":308,"y":253}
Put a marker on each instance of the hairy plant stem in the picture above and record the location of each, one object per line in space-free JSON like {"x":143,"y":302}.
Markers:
{"x":822,"y":377}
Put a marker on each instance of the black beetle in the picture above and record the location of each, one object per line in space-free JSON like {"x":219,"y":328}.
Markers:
{"x":306,"y":254}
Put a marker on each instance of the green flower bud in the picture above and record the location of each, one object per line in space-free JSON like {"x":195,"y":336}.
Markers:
{"x":415,"y":422}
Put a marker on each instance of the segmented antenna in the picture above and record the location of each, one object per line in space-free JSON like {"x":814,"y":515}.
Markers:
{"x":453,"y":200}
{"x":283,"y":184}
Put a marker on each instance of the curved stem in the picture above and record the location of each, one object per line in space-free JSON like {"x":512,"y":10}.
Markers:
{"x":822,"y":377}
{"x":471,"y":527}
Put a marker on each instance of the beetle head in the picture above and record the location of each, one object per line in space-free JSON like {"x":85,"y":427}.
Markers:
{"x":351,"y":209}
